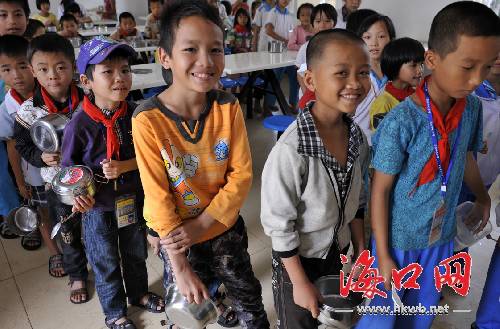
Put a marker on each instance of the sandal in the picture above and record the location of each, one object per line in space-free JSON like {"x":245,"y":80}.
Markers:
{"x":127,"y":324}
{"x":82,"y":292}
{"x":152,"y":303}
{"x":32,"y":241}
{"x":6,"y":233}
{"x":56,"y":263}
{"x":228,"y":317}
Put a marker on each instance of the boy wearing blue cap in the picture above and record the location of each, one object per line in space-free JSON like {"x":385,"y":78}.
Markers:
{"x":99,"y":136}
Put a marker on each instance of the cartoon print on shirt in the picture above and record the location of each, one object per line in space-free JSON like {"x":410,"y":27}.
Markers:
{"x":221,"y":150}
{"x":191,"y":162}
{"x":174,"y":163}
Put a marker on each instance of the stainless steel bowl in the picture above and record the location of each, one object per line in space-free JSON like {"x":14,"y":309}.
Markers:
{"x":73,"y":181}
{"x":23,"y":220}
{"x":274,"y":46}
{"x":186,"y":315}
{"x":46,"y":132}
{"x":337,"y":311}
{"x":88,"y":26}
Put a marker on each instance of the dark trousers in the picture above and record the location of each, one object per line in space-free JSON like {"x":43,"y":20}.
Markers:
{"x":108,"y":250}
{"x":225,"y":258}
{"x":74,"y":258}
{"x":290,"y":315}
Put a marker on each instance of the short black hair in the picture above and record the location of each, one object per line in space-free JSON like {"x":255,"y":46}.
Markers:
{"x":67,"y":18}
{"x":243,"y":11}
{"x":398,"y":52}
{"x":372,"y":19}
{"x":32,"y":27}
{"x":21,"y":3}
{"x":13,"y":45}
{"x":304,"y":6}
{"x":118,"y":53}
{"x":51,"y":43}
{"x":73,"y":8}
{"x":324,"y":8}
{"x":227,"y":7}
{"x":355,"y":19}
{"x":461,"y":18}
{"x":318,"y":43}
{"x":40,"y":2}
{"x":177,"y":10}
{"x":125,"y":15}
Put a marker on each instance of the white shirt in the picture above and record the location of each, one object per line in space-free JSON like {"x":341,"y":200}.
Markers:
{"x":8,"y":111}
{"x":300,"y":60}
{"x":259,"y":21}
{"x":489,"y":163}
{"x":282,"y":21}
{"x":340,"y":20}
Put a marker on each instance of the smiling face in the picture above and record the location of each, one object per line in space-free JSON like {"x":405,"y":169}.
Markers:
{"x":54,"y":72}
{"x":340,"y":79}
{"x":111,"y":82}
{"x":12,"y":19}
{"x":411,"y":73}
{"x":197,"y":58}
{"x":376,"y":38}
{"x":458,"y":73}
{"x":15,"y":71}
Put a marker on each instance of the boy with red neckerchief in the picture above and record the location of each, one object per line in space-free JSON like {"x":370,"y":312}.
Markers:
{"x":14,"y":69}
{"x":422,"y":151}
{"x":51,"y":58}
{"x":99,"y":137}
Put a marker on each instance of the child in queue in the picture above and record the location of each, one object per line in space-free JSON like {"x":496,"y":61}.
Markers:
{"x":68,"y":26}
{"x":302,"y":32}
{"x":127,"y":27}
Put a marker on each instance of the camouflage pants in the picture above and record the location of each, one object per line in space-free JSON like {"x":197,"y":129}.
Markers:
{"x":290,"y":315}
{"x":225,"y":259}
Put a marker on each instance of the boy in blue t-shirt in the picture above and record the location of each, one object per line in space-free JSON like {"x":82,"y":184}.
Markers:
{"x":418,"y":173}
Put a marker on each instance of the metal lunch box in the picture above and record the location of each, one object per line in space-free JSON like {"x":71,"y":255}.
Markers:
{"x":337,"y":311}
{"x":73,"y":181}
{"x":46,"y":132}
{"x":274,"y":46}
{"x":23,"y":220}
{"x":188,"y":315}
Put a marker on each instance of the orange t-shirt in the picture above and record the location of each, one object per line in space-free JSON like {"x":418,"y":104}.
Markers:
{"x":187,"y":168}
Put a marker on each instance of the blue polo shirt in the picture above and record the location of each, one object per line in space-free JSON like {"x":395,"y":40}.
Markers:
{"x":402,"y":146}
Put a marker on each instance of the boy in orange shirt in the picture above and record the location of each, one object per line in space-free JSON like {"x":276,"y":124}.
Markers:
{"x":194,"y":160}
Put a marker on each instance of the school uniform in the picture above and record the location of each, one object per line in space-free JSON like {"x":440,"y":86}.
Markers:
{"x":34,"y":108}
{"x":204,"y":165}
{"x":298,"y":38}
{"x":308,"y":201}
{"x":259,"y":20}
{"x":8,"y":198}
{"x":341,"y":18}
{"x":113,"y":229}
{"x":403,"y":146}
{"x":386,"y":101}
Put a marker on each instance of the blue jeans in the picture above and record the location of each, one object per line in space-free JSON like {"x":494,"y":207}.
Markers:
{"x":293,"y":85}
{"x":105,"y":244}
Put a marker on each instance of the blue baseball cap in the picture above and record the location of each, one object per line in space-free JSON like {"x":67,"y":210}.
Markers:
{"x":97,"y":50}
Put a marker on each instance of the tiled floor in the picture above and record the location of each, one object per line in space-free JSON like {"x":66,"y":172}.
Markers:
{"x":30,"y":298}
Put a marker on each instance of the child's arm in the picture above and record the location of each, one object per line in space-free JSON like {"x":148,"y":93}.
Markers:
{"x":474,"y":182}
{"x":15,"y":163}
{"x":292,"y":42}
{"x":270,"y":32}
{"x":305,"y":293}
{"x":379,"y":216}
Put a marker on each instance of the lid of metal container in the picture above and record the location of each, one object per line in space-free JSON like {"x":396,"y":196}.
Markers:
{"x":70,"y":178}
{"x":44,"y":134}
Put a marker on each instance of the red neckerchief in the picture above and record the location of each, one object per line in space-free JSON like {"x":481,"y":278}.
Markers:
{"x":444,"y":126}
{"x":17,"y":96}
{"x":51,"y":107}
{"x":399,"y":94}
{"x":95,"y":113}
{"x":306,"y":98}
{"x":240,"y":28}
{"x":124,"y":34}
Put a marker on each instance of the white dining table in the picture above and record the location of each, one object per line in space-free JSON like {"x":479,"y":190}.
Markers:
{"x":103,"y":31}
{"x":150,"y":75}
{"x":105,"y":22}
